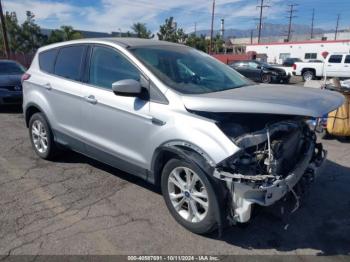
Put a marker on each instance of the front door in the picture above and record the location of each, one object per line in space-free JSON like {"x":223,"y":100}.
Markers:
{"x":116,"y":127}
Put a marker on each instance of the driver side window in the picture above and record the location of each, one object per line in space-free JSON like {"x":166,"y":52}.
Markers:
{"x":108,"y":66}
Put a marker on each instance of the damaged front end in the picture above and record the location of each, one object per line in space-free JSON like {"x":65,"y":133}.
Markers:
{"x":270,"y":163}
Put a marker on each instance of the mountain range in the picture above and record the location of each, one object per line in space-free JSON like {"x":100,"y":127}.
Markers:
{"x":268,"y":30}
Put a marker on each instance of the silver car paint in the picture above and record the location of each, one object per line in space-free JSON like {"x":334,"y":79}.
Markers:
{"x":269,"y":99}
{"x":115,"y":114}
{"x":106,"y":123}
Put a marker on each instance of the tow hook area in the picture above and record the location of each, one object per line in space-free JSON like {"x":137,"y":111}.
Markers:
{"x":265,"y":191}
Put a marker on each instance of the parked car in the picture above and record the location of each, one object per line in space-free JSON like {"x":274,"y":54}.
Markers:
{"x":335,"y":65}
{"x":216,"y":143}
{"x":10,"y":82}
{"x":260,"y":72}
{"x":289,"y":62}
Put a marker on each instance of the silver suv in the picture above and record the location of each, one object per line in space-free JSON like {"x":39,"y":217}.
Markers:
{"x":215,"y":142}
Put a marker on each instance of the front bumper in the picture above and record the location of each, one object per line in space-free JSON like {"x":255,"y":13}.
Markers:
{"x":281,"y":78}
{"x":11,"y":97}
{"x":246,"y":193}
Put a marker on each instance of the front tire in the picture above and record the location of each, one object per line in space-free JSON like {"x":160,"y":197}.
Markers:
{"x":189,"y":196}
{"x":41,"y":137}
{"x":266,"y":79}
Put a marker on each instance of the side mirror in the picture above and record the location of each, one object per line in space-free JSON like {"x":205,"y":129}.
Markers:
{"x":127,"y":87}
{"x":259,"y":67}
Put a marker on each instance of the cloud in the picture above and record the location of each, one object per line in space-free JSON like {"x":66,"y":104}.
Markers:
{"x":115,"y":15}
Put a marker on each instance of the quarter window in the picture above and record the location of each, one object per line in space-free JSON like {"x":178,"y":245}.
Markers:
{"x":310,"y":55}
{"x":47,"y":60}
{"x":108,"y":66}
{"x":68,"y":62}
{"x":335,"y":59}
{"x":347,"y":59}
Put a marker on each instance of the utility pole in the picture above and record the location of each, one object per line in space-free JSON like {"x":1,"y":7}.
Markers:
{"x":336,"y":28}
{"x":261,"y":6}
{"x":290,"y":17}
{"x":251,"y":36}
{"x":195,"y":28}
{"x":312,"y":23}
{"x":4,"y":32}
{"x":212,"y":28}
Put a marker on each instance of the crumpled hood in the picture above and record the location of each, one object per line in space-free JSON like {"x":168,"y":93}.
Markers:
{"x":267,"y":99}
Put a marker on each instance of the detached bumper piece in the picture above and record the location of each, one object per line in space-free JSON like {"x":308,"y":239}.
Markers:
{"x":266,"y":189}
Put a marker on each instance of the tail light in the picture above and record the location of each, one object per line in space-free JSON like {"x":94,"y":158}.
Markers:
{"x":294,"y":66}
{"x":24,"y":77}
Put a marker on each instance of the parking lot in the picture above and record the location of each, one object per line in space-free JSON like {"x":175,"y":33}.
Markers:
{"x":76,"y":205}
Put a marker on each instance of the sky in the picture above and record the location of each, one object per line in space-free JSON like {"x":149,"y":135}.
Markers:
{"x":119,"y":15}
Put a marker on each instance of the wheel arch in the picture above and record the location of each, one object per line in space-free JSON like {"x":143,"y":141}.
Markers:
{"x":308,"y":69}
{"x":182,"y":150}
{"x":30,"y":110}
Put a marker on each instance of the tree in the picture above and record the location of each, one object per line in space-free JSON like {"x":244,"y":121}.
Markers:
{"x":218,"y":44}
{"x":14,"y":32}
{"x":31,"y":35}
{"x":198,"y":42}
{"x":169,"y":32}
{"x":141,"y":31}
{"x":65,"y":33}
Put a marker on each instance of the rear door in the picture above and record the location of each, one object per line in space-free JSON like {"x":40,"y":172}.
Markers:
{"x":63,"y":91}
{"x":334,"y":66}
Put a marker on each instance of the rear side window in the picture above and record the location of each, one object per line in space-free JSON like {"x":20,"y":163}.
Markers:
{"x":68,"y":62}
{"x":335,"y":59}
{"x":347,"y":59}
{"x":108,"y":66}
{"x":47,"y":60}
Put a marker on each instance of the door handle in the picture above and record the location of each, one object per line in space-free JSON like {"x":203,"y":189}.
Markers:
{"x":346,"y":66}
{"x":90,"y":99}
{"x":48,"y":86}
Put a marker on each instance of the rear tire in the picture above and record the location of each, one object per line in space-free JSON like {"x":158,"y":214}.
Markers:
{"x":308,"y":75}
{"x":189,"y":196}
{"x":41,"y":137}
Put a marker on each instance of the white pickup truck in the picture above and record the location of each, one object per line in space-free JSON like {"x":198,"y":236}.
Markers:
{"x":335,"y":65}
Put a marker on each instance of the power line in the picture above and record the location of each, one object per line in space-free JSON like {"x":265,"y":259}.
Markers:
{"x":290,"y":17}
{"x":336,"y":28}
{"x":312,"y":23}
{"x":261,"y":6}
{"x":4,"y":32}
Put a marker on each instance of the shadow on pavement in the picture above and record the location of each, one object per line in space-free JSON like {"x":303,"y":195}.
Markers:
{"x":13,"y":109}
{"x":69,"y":156}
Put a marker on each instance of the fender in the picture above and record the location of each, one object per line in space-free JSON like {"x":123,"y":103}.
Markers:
{"x":25,"y":111}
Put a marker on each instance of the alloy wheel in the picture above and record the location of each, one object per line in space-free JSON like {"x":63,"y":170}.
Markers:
{"x":39,"y":136}
{"x":188,"y":194}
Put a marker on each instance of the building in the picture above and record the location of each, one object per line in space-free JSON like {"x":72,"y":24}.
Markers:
{"x":276,"y":52}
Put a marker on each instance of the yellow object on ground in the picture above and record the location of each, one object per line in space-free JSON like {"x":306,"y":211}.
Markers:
{"x":338,"y":122}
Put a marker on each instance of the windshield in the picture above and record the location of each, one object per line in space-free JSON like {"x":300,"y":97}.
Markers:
{"x":187,"y":70}
{"x":10,"y":68}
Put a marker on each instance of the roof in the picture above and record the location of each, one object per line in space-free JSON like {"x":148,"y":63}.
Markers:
{"x":302,"y":42}
{"x":134,"y":42}
{"x":122,"y":41}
